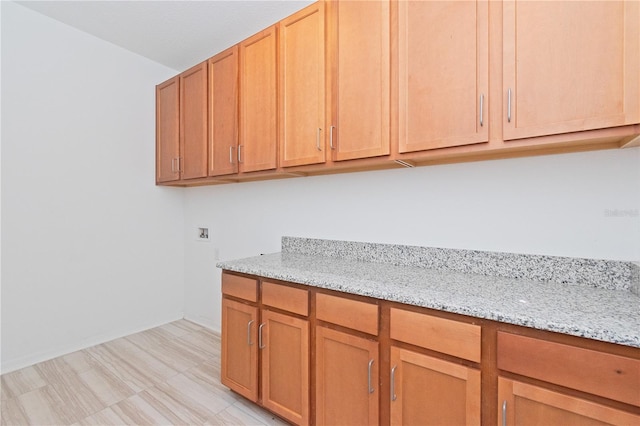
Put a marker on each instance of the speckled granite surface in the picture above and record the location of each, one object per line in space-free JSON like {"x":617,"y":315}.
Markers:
{"x":575,"y":309}
{"x":590,"y":272}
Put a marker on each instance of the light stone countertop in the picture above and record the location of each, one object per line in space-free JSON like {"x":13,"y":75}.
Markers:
{"x":574,"y":309}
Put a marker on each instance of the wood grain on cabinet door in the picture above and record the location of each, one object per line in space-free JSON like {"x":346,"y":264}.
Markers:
{"x":240,"y":348}
{"x":443,"y":71}
{"x":570,"y":66}
{"x":431,"y":391}
{"x":258,"y":102}
{"x":302,"y":87}
{"x":521,"y":403}
{"x":285,"y":366}
{"x":223,"y":113}
{"x":167,"y":130}
{"x":358,"y":76}
{"x":343,"y":392}
{"x":193,"y":122}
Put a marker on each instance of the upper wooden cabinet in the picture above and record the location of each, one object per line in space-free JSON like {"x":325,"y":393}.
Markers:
{"x":193,"y":122}
{"x":358,"y":78}
{"x":302,"y":87}
{"x":443,"y":74}
{"x":223,"y":113}
{"x":167,"y":130}
{"x":346,"y":85}
{"x":181,"y":126}
{"x":258,"y":102}
{"x":570,"y":66}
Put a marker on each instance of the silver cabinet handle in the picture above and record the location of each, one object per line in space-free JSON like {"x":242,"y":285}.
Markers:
{"x":504,"y":413}
{"x":173,"y":165}
{"x":231,"y":154}
{"x":260,"y":345}
{"x":179,"y":164}
{"x":371,"y":389}
{"x":318,"y":139}
{"x":509,"y":105}
{"x":249,"y":342}
{"x":481,"y":109}
{"x":393,"y":383}
{"x":331,"y":137}
{"x":239,"y":156}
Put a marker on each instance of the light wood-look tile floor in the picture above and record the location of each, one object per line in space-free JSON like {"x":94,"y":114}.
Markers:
{"x":169,"y":375}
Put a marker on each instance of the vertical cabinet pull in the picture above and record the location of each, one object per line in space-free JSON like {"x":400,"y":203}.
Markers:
{"x":260,"y":345}
{"x":393,"y":383}
{"x":504,"y":413}
{"x":509,"y":105}
{"x":231,"y":154}
{"x":249,"y":342}
{"x":371,"y":389}
{"x":239,"y":156}
{"x":331,"y":137}
{"x":318,"y":139}
{"x":173,"y":165}
{"x":481,"y":109}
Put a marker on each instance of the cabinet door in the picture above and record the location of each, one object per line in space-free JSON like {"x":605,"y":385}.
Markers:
{"x":167,"y":130}
{"x":240,"y":348}
{"x":430,"y":391}
{"x":524,"y":404}
{"x":285,"y":366}
{"x":570,"y":66}
{"x":346,"y":379}
{"x":443,"y":74}
{"x":193,"y":122}
{"x":223,"y":113}
{"x":302,"y":76}
{"x":358,"y":75}
{"x":258,"y":102}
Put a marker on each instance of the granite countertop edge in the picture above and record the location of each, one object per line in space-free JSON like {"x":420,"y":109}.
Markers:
{"x":599,"y":314}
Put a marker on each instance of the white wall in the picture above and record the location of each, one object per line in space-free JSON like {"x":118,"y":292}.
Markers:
{"x":91,"y":248}
{"x":563,"y":205}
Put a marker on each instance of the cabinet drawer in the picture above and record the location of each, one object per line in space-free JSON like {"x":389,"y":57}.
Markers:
{"x":611,"y":376}
{"x":350,"y":313}
{"x":286,"y":298}
{"x":241,"y":287}
{"x":447,"y":336}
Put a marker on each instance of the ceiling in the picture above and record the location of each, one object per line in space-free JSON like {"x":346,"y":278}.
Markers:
{"x":178,"y":34}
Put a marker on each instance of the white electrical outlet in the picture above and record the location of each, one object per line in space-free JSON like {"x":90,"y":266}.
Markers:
{"x":202,"y":234}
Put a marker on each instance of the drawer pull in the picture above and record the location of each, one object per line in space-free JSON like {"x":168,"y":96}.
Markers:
{"x":393,"y":383}
{"x":331,"y":137}
{"x":509,"y":105}
{"x":260,"y":345}
{"x":504,"y":413}
{"x":249,"y":342}
{"x":371,"y":389}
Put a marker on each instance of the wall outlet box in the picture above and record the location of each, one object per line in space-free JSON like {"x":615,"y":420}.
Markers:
{"x":202,"y":234}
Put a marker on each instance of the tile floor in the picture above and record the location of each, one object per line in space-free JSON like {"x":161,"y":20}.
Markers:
{"x":169,"y":375}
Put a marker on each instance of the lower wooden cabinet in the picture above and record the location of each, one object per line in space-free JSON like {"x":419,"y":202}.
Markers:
{"x":265,"y":354}
{"x":239,"y":349}
{"x":284,"y":351}
{"x":321,"y":357}
{"x":346,"y":379}
{"x":429,"y":391}
{"x":526,"y":404}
